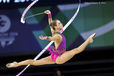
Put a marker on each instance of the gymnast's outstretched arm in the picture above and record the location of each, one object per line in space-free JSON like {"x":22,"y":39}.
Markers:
{"x":48,"y":12}
{"x":56,"y":37}
{"x":49,"y":16}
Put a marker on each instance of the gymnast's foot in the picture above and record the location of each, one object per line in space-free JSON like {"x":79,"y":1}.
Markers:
{"x":12,"y":65}
{"x":91,"y":38}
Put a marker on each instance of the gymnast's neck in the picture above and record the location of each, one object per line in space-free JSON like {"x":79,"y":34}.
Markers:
{"x":57,"y":32}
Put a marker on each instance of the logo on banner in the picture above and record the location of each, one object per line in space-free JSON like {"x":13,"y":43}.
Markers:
{"x":6,"y":38}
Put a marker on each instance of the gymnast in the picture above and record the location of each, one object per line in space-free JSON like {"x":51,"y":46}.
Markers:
{"x":58,"y":54}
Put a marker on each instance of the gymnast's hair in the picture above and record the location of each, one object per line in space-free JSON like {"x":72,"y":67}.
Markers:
{"x":54,"y":23}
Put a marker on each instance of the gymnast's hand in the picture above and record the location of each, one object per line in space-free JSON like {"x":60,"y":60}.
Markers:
{"x":47,"y":12}
{"x":42,"y":37}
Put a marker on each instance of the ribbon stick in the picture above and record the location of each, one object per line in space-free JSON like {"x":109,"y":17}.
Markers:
{"x":33,"y":15}
{"x":68,"y":23}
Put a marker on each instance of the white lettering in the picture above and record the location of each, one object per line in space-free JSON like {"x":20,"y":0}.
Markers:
{"x":22,"y":0}
{"x":16,"y":1}
{"x":5,"y":1}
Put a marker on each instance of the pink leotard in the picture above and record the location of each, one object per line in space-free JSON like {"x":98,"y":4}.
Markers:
{"x":60,"y":49}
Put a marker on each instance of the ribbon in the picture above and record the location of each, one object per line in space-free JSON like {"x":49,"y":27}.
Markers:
{"x":26,"y":10}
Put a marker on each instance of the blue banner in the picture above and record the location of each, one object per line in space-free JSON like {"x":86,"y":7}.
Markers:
{"x":16,"y":37}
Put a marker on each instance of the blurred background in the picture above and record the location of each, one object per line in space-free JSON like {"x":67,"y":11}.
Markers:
{"x":20,"y":41}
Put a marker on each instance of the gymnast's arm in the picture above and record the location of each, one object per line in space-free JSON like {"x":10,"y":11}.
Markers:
{"x":49,"y":19}
{"x":56,"y":37}
{"x":48,"y":12}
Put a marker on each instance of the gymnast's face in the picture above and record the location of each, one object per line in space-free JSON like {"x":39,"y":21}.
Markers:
{"x":59,"y":25}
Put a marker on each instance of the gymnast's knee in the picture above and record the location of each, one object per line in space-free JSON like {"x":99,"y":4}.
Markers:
{"x":30,"y":61}
{"x":76,"y":49}
{"x":60,"y":62}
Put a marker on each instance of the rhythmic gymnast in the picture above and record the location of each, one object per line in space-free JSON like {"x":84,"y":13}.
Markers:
{"x":58,"y":54}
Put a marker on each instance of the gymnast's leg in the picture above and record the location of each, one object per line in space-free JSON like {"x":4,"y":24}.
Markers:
{"x":69,"y":54}
{"x":43,"y":61}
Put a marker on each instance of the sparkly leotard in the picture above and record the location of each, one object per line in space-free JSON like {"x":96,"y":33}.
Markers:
{"x":60,"y":49}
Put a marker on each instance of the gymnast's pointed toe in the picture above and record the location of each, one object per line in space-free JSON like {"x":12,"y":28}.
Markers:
{"x":91,"y":38}
{"x":11,"y":65}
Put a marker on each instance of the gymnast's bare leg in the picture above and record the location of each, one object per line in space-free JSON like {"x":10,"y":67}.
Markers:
{"x":69,"y":54}
{"x":60,"y":60}
{"x":43,"y":61}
